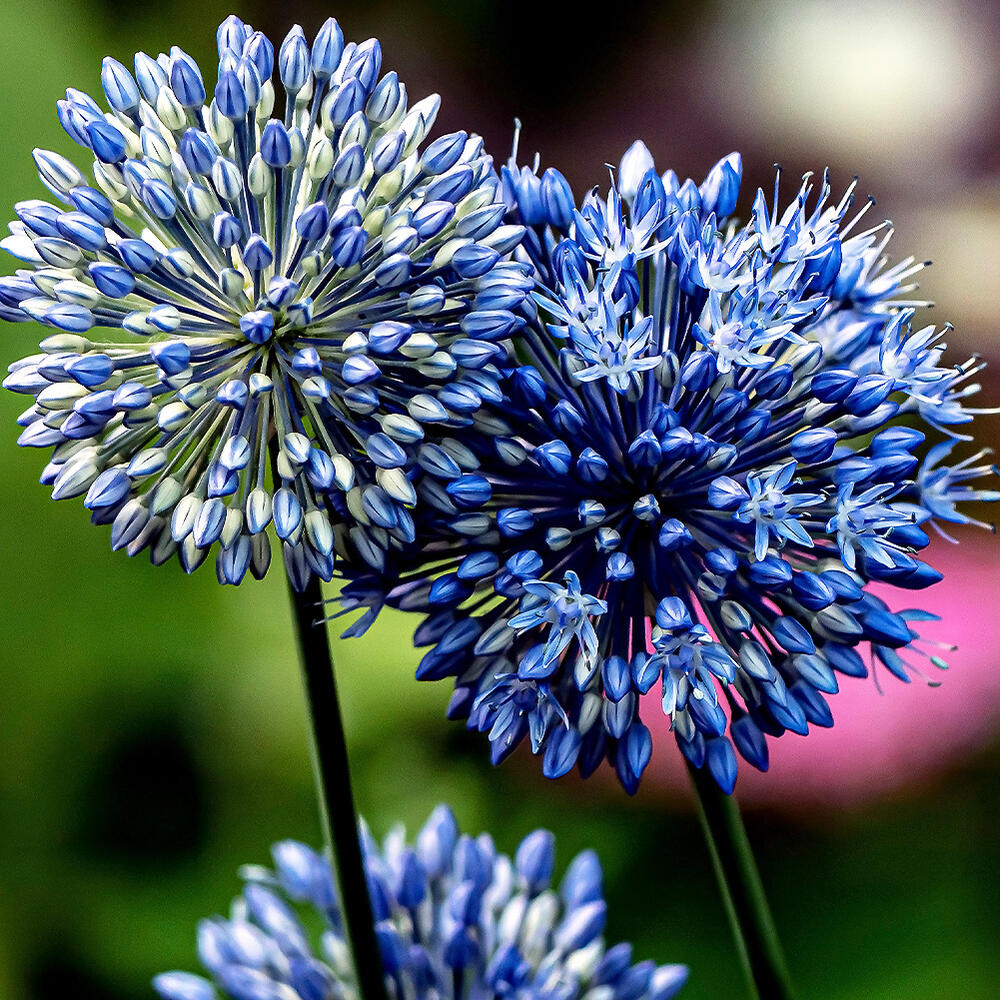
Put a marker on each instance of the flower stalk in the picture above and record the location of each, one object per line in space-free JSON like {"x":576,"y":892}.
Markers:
{"x":332,"y":774}
{"x":742,"y":891}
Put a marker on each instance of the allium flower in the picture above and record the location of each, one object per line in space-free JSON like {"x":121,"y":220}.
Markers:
{"x":717,"y":444}
{"x":323,"y":283}
{"x":455,"y":920}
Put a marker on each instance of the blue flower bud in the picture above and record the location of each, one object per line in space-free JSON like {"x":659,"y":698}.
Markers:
{"x":582,"y":926}
{"x":554,"y":457}
{"x":119,"y":87}
{"x":666,"y":982}
{"x":108,"y":489}
{"x":287,"y":513}
{"x":886,"y":629}
{"x":348,"y":246}
{"x":293,"y":61}
{"x":81,"y":229}
{"x":257,"y":254}
{"x":513,"y":521}
{"x":386,"y":337}
{"x":132,"y":396}
{"x":227,"y":230}
{"x":384,"y":101}
{"x":231,"y":36}
{"x":721,"y":188}
{"x":159,"y":199}
{"x":384,"y":452}
{"x":231,"y":99}
{"x":535,"y":860}
{"x":791,"y":635}
{"x":259,"y":50}
{"x":473,"y":261}
{"x":96,"y":404}
{"x":772,"y":572}
{"x":281,"y":292}
{"x":725,"y":493}
{"x":437,"y":840}
{"x":813,"y":591}
{"x":557,"y":197}
{"x":94,"y":204}
{"x":815,"y":444}
{"x":39,"y":218}
{"x":387,"y":152}
{"x":452,"y":186}
{"x":150,"y":76}
{"x":833,"y":386}
{"x":469,"y":490}
{"x":185,"y":79}
{"x":823,"y":266}
{"x":636,"y":163}
{"x":775,"y":382}
{"x":358,"y":370}
{"x":275,"y":145}
{"x":896,"y":439}
{"x":249,"y":80}
{"x":90,"y":370}
{"x":68,"y":317}
{"x":258,"y":326}
{"x":365,"y":63}
{"x":312,"y":222}
{"x":171,"y":356}
{"x":106,"y":141}
{"x":209,"y":522}
{"x":348,"y":100}
{"x":349,"y":166}
{"x":644,"y":451}
{"x":198,"y":150}
{"x":234,"y":561}
{"x":788,"y":714}
{"x":394,"y":270}
{"x":634,"y":754}
{"x":813,"y":704}
{"x":699,"y":371}
{"x":222,"y":482}
{"x":137,"y":255}
{"x":233,"y":393}
{"x":753,"y":424}
{"x":74,"y":121}
{"x":750,"y":742}
{"x":183,"y":986}
{"x":327,"y":49}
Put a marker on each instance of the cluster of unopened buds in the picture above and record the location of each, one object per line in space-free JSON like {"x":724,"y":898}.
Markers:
{"x":454,"y":917}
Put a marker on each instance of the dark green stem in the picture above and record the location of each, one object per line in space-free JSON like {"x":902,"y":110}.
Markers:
{"x":742,"y":891}
{"x":333,"y":788}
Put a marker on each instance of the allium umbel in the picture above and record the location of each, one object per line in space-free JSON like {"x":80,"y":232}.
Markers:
{"x":456,"y":920}
{"x":719,"y":444}
{"x":325,"y":281}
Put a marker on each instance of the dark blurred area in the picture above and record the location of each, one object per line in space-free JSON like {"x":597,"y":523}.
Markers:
{"x":153,"y":736}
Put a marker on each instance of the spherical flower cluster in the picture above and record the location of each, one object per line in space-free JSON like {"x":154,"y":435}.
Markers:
{"x":455,"y":920}
{"x":719,"y":443}
{"x":322,"y":286}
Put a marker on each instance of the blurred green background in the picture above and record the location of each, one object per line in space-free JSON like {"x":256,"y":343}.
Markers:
{"x":153,"y":736}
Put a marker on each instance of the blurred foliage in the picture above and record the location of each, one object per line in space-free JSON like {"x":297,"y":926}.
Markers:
{"x":153,"y":737}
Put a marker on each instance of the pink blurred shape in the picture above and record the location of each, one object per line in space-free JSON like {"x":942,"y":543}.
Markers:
{"x":885,"y":742}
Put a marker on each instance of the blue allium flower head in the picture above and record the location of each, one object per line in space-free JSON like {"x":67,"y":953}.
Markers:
{"x":325,"y":281}
{"x":455,"y":919}
{"x":718,"y":445}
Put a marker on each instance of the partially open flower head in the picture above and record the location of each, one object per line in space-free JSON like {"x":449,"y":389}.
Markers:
{"x":320,"y":284}
{"x":455,"y":919}
{"x":719,"y":443}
